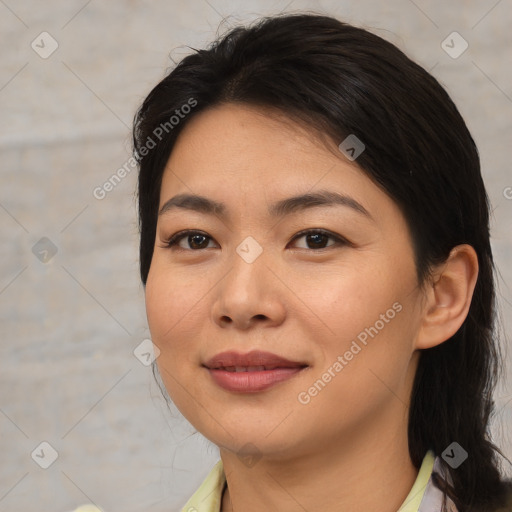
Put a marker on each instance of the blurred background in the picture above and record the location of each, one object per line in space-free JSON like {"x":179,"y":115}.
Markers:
{"x":81,"y":418}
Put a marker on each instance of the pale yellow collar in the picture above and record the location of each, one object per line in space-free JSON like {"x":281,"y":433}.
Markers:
{"x":208,"y":496}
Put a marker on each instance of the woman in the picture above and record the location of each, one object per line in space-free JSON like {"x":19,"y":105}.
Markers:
{"x":318,"y":273}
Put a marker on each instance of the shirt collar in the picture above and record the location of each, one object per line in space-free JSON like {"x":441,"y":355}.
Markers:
{"x":424,"y":496}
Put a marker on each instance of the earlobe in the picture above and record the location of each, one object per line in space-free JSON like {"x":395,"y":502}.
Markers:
{"x":448,"y":297}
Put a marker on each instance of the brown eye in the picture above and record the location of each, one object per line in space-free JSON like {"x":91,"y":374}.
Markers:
{"x":318,"y":239}
{"x":195,"y":240}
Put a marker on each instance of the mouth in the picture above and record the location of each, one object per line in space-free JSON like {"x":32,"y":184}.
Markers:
{"x":238,"y":369}
{"x":251,"y":372}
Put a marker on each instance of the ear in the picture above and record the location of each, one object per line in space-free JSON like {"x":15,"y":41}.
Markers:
{"x":448,"y":297}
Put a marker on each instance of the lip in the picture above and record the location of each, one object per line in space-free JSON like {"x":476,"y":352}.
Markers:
{"x":252,"y":358}
{"x":261,"y":370}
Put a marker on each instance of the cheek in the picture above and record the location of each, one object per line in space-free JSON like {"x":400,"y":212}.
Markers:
{"x":345,"y":303}
{"x":171,"y":301}
{"x":158,"y":308}
{"x":166,"y":309}
{"x":176,"y":317}
{"x":365,"y":315}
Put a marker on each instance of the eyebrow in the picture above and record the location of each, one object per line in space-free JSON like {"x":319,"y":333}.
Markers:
{"x":321,"y":198}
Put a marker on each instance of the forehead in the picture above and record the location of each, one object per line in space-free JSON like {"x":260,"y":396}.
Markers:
{"x":242,"y":155}
{"x":235,"y":141}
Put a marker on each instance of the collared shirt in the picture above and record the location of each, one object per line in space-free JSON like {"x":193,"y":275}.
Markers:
{"x":423,"y":496}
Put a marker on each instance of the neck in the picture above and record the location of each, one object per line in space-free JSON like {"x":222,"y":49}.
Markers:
{"x":368,"y":469}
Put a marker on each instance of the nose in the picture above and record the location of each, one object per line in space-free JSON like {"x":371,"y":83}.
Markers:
{"x":249,"y":295}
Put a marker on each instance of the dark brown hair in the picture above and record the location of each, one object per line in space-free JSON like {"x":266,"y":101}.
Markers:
{"x":342,"y":80}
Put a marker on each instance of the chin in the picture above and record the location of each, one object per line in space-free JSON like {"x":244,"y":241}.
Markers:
{"x":255,"y":441}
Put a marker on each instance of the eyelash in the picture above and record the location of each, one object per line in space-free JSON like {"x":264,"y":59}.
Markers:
{"x":177,"y":237}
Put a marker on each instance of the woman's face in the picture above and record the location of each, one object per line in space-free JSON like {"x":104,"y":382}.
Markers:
{"x":342,"y":305}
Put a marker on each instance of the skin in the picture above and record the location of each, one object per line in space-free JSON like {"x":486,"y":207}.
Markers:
{"x":347,"y":448}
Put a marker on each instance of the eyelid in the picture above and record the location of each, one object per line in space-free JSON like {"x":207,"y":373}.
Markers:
{"x":172,"y":241}
{"x":340,"y":240}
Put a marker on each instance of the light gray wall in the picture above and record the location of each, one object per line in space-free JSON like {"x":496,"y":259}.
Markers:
{"x":69,"y":326}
